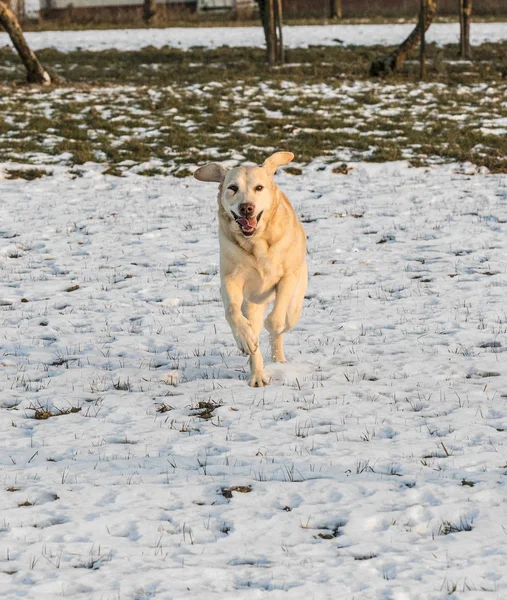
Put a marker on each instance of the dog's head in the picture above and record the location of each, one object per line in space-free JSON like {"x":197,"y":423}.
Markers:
{"x":245,"y":193}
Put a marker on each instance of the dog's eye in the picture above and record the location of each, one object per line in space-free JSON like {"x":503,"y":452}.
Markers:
{"x":233,"y":188}
{"x":259,"y":188}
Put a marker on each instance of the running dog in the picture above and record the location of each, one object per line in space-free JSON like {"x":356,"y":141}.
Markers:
{"x":262,"y":256}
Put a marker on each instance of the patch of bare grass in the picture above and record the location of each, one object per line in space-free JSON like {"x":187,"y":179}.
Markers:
{"x":28,"y":174}
{"x":181,"y":113}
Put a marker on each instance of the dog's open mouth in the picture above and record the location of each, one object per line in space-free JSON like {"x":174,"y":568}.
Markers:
{"x":248,"y":225}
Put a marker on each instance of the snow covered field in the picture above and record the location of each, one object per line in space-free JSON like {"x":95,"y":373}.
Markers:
{"x":214,"y":37}
{"x":375,"y":465}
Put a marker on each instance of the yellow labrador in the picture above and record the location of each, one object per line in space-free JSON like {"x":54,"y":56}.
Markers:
{"x":262,"y":256}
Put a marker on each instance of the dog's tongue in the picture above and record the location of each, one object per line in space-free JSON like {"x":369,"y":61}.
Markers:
{"x":247,"y":223}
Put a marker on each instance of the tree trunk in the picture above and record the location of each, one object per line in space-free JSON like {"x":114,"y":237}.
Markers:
{"x":271,"y":32}
{"x":422,"y":57}
{"x":35,"y":71}
{"x":465,"y":15}
{"x":271,"y":17}
{"x":336,"y":9}
{"x":393,"y":61}
{"x":149,"y":11}
{"x":262,"y":12}
{"x":280,"y":53}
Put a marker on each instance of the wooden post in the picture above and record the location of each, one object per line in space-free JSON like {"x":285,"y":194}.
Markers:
{"x":336,"y":9}
{"x":422,"y":57}
{"x":280,"y":52}
{"x":35,"y":71}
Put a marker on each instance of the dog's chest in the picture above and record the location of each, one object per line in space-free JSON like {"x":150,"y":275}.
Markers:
{"x":264,"y":276}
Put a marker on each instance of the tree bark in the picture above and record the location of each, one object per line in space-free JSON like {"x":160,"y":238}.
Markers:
{"x":271,"y":17}
{"x":262,"y":12}
{"x":35,"y":71}
{"x":271,"y":31}
{"x":465,"y":15}
{"x":393,"y":61}
{"x":149,"y":11}
{"x":336,"y":9}
{"x":422,"y":57}
{"x":280,"y":52}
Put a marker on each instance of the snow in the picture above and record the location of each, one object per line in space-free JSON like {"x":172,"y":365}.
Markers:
{"x":215,"y":37}
{"x":373,"y":467}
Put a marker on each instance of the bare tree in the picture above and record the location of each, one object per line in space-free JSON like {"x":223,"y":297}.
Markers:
{"x":35,"y":71}
{"x":393,"y":61}
{"x":465,"y":15}
{"x":149,"y":11}
{"x":336,"y":9}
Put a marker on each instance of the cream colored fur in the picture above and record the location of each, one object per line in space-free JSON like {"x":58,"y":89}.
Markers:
{"x":270,"y":266}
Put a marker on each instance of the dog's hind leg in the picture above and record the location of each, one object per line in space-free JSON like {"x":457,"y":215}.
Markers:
{"x":296,"y":304}
{"x":255,"y":316}
{"x":276,"y":341}
{"x":286,"y":312}
{"x":276,"y":320}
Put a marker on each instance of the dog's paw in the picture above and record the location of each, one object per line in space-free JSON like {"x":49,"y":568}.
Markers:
{"x":259,"y":379}
{"x":245,"y":338}
{"x":279,"y":357}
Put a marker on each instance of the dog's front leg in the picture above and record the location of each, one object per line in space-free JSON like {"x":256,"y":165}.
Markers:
{"x":246,"y":331}
{"x":232,"y":297}
{"x":276,"y":321}
{"x":255,"y":314}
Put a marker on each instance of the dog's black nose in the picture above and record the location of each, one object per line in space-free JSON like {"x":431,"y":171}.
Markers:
{"x":247,"y":209}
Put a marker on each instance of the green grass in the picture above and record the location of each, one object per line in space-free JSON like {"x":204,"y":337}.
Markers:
{"x":167,"y":110}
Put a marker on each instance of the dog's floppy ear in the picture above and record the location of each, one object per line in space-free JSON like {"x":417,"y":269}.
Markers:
{"x":276,"y":160}
{"x":211,"y":172}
